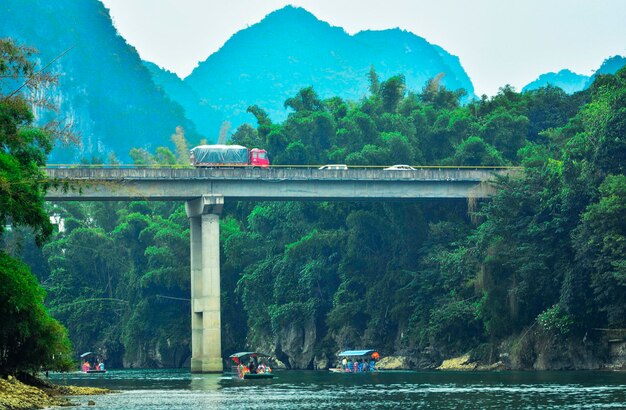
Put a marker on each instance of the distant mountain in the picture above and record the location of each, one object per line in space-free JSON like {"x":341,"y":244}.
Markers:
{"x":566,"y":80}
{"x":104,"y":89}
{"x":610,"y":66}
{"x":289,"y":49}
{"x":199,"y":110}
{"x":571,"y":82}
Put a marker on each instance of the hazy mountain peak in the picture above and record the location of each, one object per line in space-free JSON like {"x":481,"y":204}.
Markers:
{"x":611,"y":65}
{"x":565,"y":79}
{"x":290,"y":48}
{"x":290,"y":13}
{"x":571,"y":82}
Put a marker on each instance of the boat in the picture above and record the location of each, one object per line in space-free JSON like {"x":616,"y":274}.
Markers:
{"x":242,"y":359}
{"x":91,"y":363}
{"x":355,"y":357}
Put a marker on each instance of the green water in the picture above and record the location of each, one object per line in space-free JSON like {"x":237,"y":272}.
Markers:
{"x":179,"y":389}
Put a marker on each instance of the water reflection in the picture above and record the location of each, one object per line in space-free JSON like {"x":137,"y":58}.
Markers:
{"x":207,"y":382}
{"x":179,"y":389}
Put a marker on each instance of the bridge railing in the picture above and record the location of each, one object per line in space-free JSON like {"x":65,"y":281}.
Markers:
{"x":423,"y":173}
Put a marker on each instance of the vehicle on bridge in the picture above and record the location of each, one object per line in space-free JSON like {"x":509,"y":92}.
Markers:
{"x":340,"y":167}
{"x":210,"y":156}
{"x":400,"y":167}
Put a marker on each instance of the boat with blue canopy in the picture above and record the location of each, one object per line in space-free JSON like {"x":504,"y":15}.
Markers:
{"x":357,"y":361}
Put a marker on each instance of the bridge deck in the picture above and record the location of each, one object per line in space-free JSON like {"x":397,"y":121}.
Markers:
{"x":271,"y":184}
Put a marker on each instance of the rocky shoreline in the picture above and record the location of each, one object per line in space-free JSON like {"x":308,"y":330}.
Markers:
{"x":38,"y":394}
{"x":465,"y":363}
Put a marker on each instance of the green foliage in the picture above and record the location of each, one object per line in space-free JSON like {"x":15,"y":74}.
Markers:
{"x":555,"y":320}
{"x":464,"y":285}
{"x":546,"y":249}
{"x":454,"y":327}
{"x":474,"y":151}
{"x":600,"y":241}
{"x":392,"y":92}
{"x":30,"y":339}
{"x":107,"y":278}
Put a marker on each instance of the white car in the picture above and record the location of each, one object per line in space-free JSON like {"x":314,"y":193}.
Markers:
{"x":334,"y":166}
{"x":400,"y":167}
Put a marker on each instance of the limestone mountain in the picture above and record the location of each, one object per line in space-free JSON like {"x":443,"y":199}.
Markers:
{"x":289,"y":49}
{"x":567,"y":80}
{"x":610,"y":66}
{"x":104,"y":90}
{"x":571,"y":82}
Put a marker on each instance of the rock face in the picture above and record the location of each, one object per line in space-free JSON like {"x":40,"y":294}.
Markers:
{"x":458,"y":363}
{"x":296,"y":343}
{"x":540,"y":350}
{"x":160,"y":355}
{"x":393,"y":363}
{"x":617,"y":355}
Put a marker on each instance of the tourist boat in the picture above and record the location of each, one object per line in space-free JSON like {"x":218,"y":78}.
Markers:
{"x":356,"y":356}
{"x":91,"y":364}
{"x":242,"y":359}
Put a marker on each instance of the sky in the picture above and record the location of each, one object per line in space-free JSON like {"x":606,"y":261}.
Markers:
{"x":498,"y":42}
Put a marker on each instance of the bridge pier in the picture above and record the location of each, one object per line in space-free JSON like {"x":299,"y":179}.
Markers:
{"x":206,"y":345}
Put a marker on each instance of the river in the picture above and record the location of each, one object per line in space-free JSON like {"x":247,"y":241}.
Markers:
{"x":179,"y":389}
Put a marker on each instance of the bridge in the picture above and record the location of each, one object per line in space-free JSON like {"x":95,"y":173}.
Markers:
{"x":205,"y":190}
{"x":276,"y":184}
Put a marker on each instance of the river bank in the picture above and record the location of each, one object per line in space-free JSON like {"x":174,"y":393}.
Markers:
{"x":38,"y":394}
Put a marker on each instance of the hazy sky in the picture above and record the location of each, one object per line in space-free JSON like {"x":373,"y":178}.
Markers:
{"x":498,"y":41}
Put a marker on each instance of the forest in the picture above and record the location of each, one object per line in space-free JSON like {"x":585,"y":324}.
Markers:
{"x":535,"y":275}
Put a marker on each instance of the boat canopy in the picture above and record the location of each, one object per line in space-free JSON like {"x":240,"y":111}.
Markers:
{"x":86,"y":354}
{"x":353,"y":353}
{"x":240,"y":355}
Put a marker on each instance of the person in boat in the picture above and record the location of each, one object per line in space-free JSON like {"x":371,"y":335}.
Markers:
{"x":86,"y":366}
{"x":366,"y":366}
{"x":261,"y":368}
{"x":372,"y":365}
{"x":344,"y":364}
{"x":356,"y":366}
{"x":101,"y":366}
{"x":252,"y":367}
{"x":349,"y":366}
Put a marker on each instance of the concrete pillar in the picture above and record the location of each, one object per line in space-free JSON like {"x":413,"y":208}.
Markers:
{"x":206,"y":345}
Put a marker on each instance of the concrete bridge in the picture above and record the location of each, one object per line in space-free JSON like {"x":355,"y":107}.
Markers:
{"x":205,"y":190}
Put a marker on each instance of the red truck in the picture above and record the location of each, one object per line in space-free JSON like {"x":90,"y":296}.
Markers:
{"x":210,"y":156}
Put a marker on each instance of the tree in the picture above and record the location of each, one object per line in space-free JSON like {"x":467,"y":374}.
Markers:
{"x":29,"y":337}
{"x":600,"y":242}
{"x":474,"y":151}
{"x":392,"y":92}
{"x":181,"y":146}
{"x":305,"y":100}
{"x":374,"y":82}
